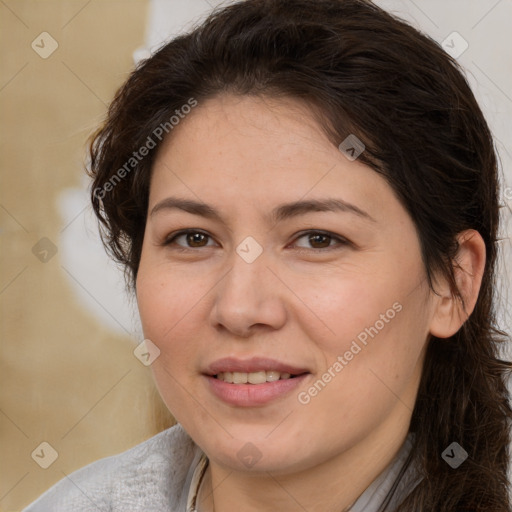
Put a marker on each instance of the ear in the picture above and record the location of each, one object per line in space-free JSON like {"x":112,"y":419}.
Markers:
{"x":449,"y":312}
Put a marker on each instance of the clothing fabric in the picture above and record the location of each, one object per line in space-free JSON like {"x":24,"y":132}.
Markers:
{"x":164,"y":474}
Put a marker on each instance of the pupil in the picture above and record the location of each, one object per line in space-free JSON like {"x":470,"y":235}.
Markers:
{"x":317,"y":237}
{"x":194,"y":238}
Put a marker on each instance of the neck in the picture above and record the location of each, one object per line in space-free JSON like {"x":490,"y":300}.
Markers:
{"x":331,"y":486}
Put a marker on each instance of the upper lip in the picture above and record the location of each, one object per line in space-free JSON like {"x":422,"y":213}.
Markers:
{"x":254,"y":364}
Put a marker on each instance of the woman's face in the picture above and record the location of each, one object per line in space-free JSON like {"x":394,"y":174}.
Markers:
{"x":300,"y":265}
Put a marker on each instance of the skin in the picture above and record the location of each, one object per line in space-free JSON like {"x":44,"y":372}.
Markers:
{"x":298,"y":302}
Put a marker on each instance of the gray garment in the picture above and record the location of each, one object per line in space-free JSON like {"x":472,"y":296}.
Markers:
{"x":156,"y":476}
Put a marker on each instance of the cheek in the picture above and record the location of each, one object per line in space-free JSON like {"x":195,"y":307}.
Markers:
{"x":368,"y":326}
{"x":343,"y":307}
{"x":362,"y":377}
{"x":164,"y":297}
{"x":167,"y":306}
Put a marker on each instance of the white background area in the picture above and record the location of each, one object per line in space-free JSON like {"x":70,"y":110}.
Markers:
{"x":484,"y":24}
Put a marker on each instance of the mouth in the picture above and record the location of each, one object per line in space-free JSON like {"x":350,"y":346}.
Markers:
{"x":256,"y":370}
{"x":253,"y":382}
{"x":260,"y":377}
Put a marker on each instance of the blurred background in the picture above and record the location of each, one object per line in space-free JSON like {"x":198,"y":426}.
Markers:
{"x":72,"y":390}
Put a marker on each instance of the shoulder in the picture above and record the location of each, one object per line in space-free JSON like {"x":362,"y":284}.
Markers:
{"x":149,"y":477}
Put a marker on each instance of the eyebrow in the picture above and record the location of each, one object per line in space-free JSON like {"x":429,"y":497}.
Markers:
{"x":278,"y":214}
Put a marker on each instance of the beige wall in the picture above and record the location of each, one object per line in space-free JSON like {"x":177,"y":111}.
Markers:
{"x":66,"y":380}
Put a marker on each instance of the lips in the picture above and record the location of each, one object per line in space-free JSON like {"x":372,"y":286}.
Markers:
{"x":252,"y":377}
{"x":253,"y":365}
{"x":252,"y":382}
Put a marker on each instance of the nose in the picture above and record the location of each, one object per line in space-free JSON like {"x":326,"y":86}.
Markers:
{"x":248,"y":298}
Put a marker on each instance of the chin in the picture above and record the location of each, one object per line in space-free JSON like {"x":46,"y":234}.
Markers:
{"x":257,"y":454}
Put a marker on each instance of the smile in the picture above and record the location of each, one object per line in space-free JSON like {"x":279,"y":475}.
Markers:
{"x":254,"y":377}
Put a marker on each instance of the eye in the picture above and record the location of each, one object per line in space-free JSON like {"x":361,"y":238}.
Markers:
{"x":193,"y":239}
{"x":321,"y":240}
{"x":317,"y":240}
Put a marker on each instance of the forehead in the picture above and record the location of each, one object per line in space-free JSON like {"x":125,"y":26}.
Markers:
{"x":248,"y":127}
{"x":259,"y":151}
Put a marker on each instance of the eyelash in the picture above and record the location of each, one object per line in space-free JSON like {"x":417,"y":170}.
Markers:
{"x":342,"y":242}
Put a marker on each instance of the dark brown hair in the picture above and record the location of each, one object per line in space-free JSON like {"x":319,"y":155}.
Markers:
{"x":363,"y":72}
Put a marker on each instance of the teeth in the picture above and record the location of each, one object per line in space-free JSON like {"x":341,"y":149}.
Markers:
{"x":252,"y":378}
{"x":272,"y":376}
{"x":239,"y":378}
{"x":256,"y":377}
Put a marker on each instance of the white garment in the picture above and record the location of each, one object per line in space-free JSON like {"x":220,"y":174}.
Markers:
{"x":163,"y":474}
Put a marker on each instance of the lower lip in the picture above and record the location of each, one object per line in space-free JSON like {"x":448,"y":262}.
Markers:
{"x":248,"y":395}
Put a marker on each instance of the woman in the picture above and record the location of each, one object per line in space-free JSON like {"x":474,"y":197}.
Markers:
{"x":304,"y":196}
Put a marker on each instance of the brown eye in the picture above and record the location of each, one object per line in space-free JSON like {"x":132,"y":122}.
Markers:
{"x":321,"y":241}
{"x":196,"y":239}
{"x":188,"y":239}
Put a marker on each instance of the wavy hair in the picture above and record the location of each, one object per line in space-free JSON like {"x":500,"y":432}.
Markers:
{"x":361,"y":71}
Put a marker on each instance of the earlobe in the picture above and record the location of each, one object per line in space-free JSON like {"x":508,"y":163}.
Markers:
{"x":450,"y":312}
